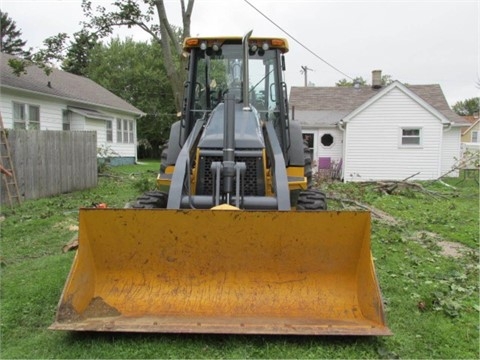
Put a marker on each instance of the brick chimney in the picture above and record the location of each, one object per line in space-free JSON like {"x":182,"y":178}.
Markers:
{"x":376,"y":79}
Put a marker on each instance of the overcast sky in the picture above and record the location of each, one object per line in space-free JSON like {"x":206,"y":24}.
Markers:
{"x":414,"y":41}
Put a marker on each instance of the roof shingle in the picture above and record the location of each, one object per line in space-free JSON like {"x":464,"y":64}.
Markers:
{"x":342,"y":100}
{"x":63,"y":85}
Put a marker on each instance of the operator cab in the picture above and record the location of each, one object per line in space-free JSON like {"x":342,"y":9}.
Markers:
{"x":216,"y":68}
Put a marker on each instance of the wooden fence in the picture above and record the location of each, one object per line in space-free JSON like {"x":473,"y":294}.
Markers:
{"x":48,"y":163}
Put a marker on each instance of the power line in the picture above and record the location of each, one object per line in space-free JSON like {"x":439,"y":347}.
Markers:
{"x":298,"y":42}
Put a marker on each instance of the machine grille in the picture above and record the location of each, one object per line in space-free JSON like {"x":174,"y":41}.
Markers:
{"x":254,"y":177}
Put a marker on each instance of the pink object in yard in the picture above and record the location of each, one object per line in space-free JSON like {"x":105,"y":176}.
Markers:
{"x":324,"y":163}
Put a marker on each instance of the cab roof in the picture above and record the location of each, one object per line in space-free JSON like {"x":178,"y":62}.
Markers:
{"x":272,"y":42}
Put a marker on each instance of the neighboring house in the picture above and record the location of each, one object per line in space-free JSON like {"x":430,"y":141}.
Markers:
{"x":379,"y":133}
{"x":471,"y":143}
{"x":471,"y":133}
{"x":63,"y":101}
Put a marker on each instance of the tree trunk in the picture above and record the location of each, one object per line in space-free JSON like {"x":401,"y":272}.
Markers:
{"x":172,"y":50}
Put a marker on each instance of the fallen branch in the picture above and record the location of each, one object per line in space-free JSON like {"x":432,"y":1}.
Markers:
{"x":111,"y":176}
{"x":72,"y":245}
{"x":445,"y":184}
{"x":469,"y":160}
{"x":378,"y":214}
{"x":411,"y":176}
{"x":391,"y":187}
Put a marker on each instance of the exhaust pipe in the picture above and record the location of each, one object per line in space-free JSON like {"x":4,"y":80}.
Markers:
{"x":229,"y":146}
{"x":246,"y":97}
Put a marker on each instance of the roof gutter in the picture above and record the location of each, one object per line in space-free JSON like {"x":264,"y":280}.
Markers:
{"x":137,"y":113}
{"x":447,"y":127}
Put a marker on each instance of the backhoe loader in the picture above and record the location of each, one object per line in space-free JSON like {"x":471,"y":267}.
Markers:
{"x":235,"y":239}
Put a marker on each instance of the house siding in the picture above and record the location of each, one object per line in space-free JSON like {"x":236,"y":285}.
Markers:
{"x":51,"y":119}
{"x":335,"y":151}
{"x":114,"y":148}
{"x":451,"y":151}
{"x":50,"y":113}
{"x":373,"y":148}
{"x":77,"y":123}
{"x":99,"y":127}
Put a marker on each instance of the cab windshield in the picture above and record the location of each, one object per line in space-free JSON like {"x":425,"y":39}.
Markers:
{"x":221,"y":72}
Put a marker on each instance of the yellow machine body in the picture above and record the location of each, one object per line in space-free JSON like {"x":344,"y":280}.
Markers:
{"x":223,"y":271}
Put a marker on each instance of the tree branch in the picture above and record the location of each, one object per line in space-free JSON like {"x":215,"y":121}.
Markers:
{"x":167,"y":28}
{"x":186,"y":17}
{"x":470,"y":158}
{"x":129,"y":13}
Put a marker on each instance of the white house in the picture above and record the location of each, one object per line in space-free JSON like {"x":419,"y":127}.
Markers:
{"x":63,"y":101}
{"x":380,"y":133}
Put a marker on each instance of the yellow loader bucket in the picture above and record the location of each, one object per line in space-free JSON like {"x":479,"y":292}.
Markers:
{"x":214,"y":271}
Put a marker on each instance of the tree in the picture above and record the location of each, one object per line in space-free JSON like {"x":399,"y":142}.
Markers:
{"x":467,"y":107}
{"x":55,"y":51}
{"x":386,"y":80}
{"x":45,"y":58}
{"x":78,"y":53}
{"x":344,"y":82}
{"x":134,"y":71}
{"x":11,"y":42}
{"x":141,"y":13}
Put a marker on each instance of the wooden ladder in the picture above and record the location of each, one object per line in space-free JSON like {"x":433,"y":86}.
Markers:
{"x":6,"y":162}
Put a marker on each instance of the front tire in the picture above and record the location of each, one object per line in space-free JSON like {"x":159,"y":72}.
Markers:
{"x":151,"y":200}
{"x":312,"y":200}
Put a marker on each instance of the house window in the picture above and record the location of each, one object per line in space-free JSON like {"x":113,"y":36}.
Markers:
{"x":411,"y":137}
{"x":109,"y":130}
{"x":326,"y":140}
{"x":125,"y":131}
{"x":26,"y":116}
{"x":19,"y":116}
{"x":130,"y":132}
{"x":119,"y":130}
{"x":475,"y":136}
{"x":66,"y":120}
{"x":308,"y":139}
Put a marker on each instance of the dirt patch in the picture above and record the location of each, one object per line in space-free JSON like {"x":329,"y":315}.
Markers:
{"x":452,"y":249}
{"x":447,"y":248}
{"x":96,"y":308}
{"x":385,"y":217}
{"x":66,"y":313}
{"x":69,"y":225}
{"x":99,"y":308}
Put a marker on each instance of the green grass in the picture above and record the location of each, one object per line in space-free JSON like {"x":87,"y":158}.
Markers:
{"x":410,"y":267}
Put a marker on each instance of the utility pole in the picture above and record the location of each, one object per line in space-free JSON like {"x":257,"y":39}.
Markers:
{"x":304,"y":71}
